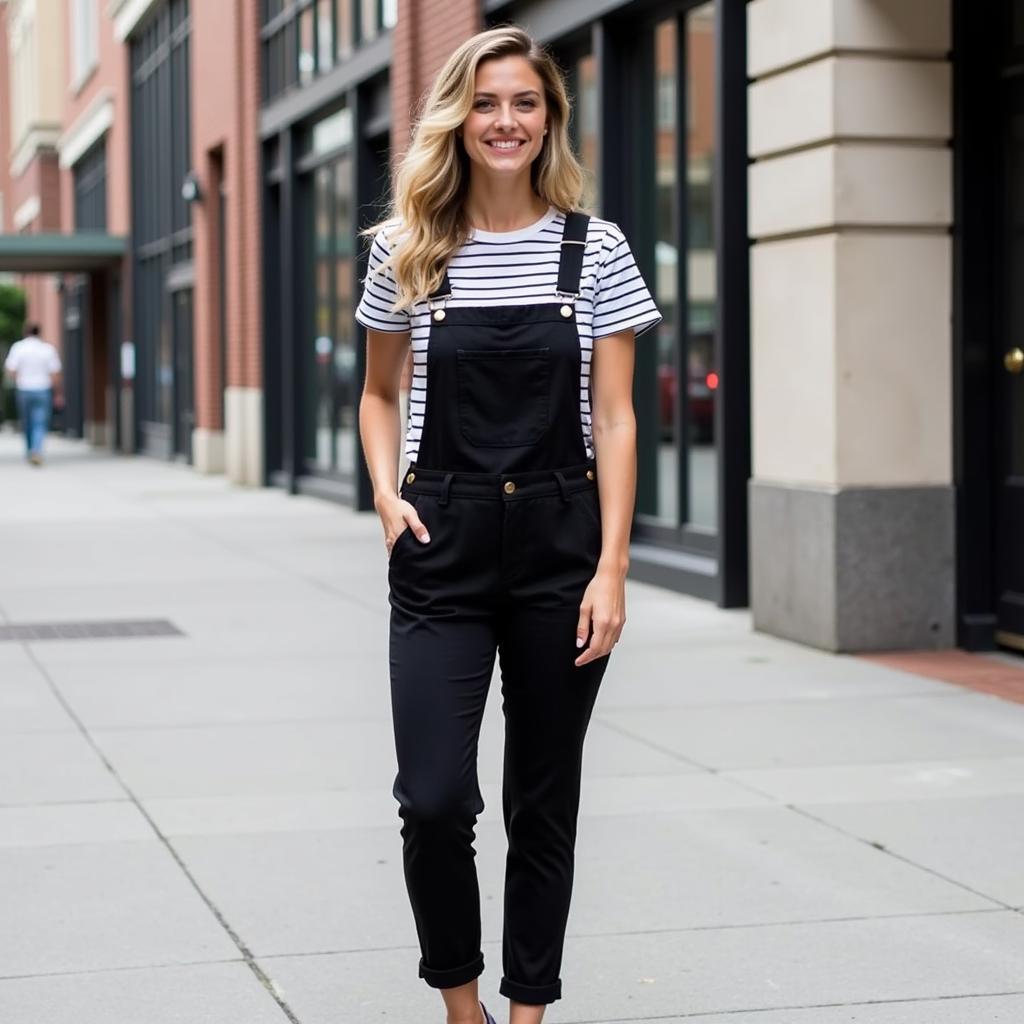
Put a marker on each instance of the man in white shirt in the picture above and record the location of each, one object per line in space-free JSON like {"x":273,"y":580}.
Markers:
{"x":35,"y":367}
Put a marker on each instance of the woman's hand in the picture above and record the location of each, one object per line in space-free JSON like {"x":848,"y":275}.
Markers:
{"x":604,"y":609}
{"x":397,"y":515}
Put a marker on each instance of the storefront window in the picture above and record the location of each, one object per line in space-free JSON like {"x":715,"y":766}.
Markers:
{"x":331,"y":342}
{"x":666,"y":256}
{"x":345,"y":370}
{"x":680,"y":485}
{"x":322,"y":343}
{"x":701,"y":277}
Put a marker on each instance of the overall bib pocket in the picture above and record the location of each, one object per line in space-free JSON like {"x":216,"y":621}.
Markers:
{"x":503,"y":395}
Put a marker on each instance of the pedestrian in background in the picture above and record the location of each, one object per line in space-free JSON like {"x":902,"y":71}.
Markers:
{"x":35,"y":368}
{"x":520,"y":309}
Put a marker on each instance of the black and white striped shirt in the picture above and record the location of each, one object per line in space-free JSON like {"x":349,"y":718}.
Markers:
{"x":506,"y":268}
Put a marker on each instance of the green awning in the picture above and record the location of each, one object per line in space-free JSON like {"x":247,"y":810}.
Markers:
{"x":54,"y":254}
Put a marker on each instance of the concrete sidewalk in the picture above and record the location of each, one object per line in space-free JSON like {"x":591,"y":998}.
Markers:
{"x":199,"y":828}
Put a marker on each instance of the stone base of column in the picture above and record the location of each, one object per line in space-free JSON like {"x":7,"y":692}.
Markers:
{"x":96,"y":433}
{"x":853,"y":569}
{"x":208,"y":450}
{"x":243,"y":435}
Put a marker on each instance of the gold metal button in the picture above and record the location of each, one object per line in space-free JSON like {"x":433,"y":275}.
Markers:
{"x":509,"y":487}
{"x":410,"y":477}
{"x":566,"y":310}
{"x":590,"y":474}
{"x":438,"y":314}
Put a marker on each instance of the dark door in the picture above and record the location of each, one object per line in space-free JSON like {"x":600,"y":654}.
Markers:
{"x":184,"y":416}
{"x":1008,"y":354}
{"x":70,"y":420}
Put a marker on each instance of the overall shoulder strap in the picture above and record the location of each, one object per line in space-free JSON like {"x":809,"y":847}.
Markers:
{"x":574,"y":241}
{"x":444,"y":289}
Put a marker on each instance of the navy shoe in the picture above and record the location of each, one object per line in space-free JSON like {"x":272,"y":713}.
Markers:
{"x":488,"y":1019}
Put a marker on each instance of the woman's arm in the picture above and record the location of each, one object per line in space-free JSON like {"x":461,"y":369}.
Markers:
{"x":380,"y":428}
{"x":614,"y":429}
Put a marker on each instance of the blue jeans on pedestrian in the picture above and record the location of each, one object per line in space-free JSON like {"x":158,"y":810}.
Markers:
{"x":34,"y":408}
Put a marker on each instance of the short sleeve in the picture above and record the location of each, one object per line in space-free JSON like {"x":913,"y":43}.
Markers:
{"x":11,"y":362}
{"x":53,"y":360}
{"x":379,"y":293}
{"x":621,"y":298}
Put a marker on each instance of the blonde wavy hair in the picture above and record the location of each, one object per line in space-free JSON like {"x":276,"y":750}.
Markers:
{"x":432,"y":178}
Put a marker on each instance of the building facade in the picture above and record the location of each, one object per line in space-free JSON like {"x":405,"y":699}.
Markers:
{"x":822,"y":194}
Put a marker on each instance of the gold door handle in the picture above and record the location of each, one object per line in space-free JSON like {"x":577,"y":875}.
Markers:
{"x":1014,"y":360}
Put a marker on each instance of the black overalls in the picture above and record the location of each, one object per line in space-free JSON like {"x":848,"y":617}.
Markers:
{"x":504,"y":486}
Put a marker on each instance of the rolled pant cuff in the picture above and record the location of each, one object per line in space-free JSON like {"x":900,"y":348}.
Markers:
{"x":453,"y":977}
{"x":532,"y":995}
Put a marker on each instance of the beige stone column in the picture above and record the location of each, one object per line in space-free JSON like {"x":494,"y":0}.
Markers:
{"x":851,"y":503}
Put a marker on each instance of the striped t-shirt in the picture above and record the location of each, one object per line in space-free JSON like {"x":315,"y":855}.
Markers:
{"x":506,"y":268}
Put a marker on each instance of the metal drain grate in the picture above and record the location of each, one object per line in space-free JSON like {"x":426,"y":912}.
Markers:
{"x":89,"y":630}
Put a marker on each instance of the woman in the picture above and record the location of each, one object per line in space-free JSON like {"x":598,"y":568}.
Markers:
{"x":509,"y":534}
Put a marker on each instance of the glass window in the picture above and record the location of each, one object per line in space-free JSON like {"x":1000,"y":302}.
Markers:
{"x":332,"y":132}
{"x":666,"y":258}
{"x":345,"y":371}
{"x":583,"y":82}
{"x":322,"y":348}
{"x":701,"y":277}
{"x":331,"y":346}
{"x":307,"y":51}
{"x":84,"y":38}
{"x":369,"y":20}
{"x":681,"y":483}
{"x":343,"y":18}
{"x":389,"y":13}
{"x":324,"y":35}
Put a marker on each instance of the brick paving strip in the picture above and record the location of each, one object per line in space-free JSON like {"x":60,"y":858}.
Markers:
{"x":973,"y":671}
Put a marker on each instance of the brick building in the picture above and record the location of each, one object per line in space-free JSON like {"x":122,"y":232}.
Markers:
{"x":822,"y":194}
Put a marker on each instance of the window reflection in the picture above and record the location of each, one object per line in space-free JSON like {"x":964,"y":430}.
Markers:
{"x":324,"y":35}
{"x":307,"y":53}
{"x":666,"y":220}
{"x":322,"y":353}
{"x":332,"y":398}
{"x":701,"y":276}
{"x":687,"y":374}
{"x":343,"y":28}
{"x":344,"y":371}
{"x":584,"y":124}
{"x":369,"y":20}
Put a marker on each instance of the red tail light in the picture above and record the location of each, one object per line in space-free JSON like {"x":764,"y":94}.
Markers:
{"x":711,"y":380}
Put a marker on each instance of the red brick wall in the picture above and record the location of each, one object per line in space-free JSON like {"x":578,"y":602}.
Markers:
{"x":111,"y":78}
{"x":426,"y":34}
{"x":246,"y":245}
{"x":5,"y":126}
{"x":224,"y":97}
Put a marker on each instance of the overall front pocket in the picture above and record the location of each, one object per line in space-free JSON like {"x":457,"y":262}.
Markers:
{"x":503,"y":395}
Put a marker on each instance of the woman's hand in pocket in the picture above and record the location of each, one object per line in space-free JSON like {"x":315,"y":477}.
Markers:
{"x":398,"y":515}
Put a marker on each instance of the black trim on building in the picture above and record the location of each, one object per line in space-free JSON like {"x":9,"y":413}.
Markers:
{"x":162,"y":231}
{"x":976,"y":136}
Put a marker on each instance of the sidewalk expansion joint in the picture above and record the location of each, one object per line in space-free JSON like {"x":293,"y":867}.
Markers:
{"x":250,"y":960}
{"x":30,"y":632}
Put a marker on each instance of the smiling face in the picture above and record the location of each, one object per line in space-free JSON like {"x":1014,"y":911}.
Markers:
{"x":504,"y":131}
